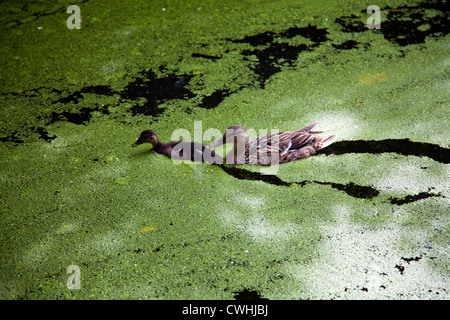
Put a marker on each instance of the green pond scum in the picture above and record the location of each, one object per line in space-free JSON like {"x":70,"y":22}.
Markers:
{"x":85,"y":216}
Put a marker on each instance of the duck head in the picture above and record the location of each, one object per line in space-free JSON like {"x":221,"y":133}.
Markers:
{"x":147,"y":136}
{"x":234,"y":134}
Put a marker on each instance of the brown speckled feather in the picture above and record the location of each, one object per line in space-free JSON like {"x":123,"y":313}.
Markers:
{"x":276,"y":148}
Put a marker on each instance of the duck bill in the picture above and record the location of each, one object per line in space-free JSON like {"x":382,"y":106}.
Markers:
{"x":138,"y":142}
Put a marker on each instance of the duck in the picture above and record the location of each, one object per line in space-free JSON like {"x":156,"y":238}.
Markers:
{"x":272,"y":149}
{"x":180,"y":150}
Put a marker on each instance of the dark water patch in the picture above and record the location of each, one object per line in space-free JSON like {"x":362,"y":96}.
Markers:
{"x":155,"y":90}
{"x":257,"y":39}
{"x":247,"y":294}
{"x":412,"y":24}
{"x":146,"y":93}
{"x":352,"y":23}
{"x":74,"y":97}
{"x":352,"y":189}
{"x":316,"y":35}
{"x":415,"y":259}
{"x":35,"y":92}
{"x":214,"y":99}
{"x":404,"y":25}
{"x":404,"y":147}
{"x":413,"y":198}
{"x":272,"y":58}
{"x":75,"y":115}
{"x":205,"y":56}
{"x":44,"y":135}
{"x":400,"y":268}
{"x":272,"y":53}
{"x":347,"y":45}
{"x":78,"y":116}
{"x":13,"y":138}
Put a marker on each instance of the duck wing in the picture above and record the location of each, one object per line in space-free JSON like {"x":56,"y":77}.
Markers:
{"x":286,"y":146}
{"x":287,"y":140}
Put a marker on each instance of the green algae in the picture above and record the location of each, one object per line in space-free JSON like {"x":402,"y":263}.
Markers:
{"x":81,"y":198}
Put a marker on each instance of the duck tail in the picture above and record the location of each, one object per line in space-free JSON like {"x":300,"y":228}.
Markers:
{"x":325,"y":141}
{"x":308,"y":128}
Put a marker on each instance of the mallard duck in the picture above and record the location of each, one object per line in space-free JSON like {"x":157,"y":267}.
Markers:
{"x":180,"y":150}
{"x":274,"y":148}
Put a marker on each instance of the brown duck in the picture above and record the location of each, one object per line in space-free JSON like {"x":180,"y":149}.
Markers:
{"x":274,"y":148}
{"x":180,"y":150}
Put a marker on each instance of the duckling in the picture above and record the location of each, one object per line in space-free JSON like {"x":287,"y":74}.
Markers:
{"x":180,"y":150}
{"x":276,"y":148}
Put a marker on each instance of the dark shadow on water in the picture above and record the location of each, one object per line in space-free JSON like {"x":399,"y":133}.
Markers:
{"x":412,"y":198}
{"x":400,"y":146}
{"x":352,"y":189}
{"x":404,"y":147}
{"x":244,"y":174}
{"x":248,"y":295}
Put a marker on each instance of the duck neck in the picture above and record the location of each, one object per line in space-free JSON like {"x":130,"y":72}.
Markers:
{"x":237,"y":154}
{"x":156,"y":143}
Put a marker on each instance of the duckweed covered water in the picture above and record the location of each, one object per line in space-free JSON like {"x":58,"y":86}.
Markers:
{"x":367,"y":218}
